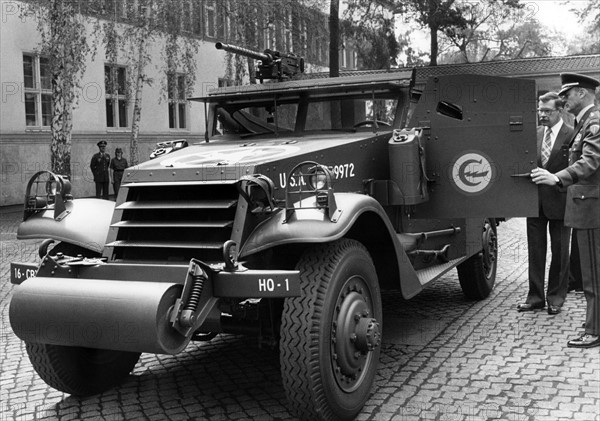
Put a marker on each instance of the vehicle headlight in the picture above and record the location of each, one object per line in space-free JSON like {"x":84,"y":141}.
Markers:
{"x":318,"y":179}
{"x":58,"y":185}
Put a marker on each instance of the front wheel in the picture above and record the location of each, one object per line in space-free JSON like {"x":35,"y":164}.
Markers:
{"x":80,"y":371}
{"x":477,"y":274}
{"x":76,"y":370}
{"x":330,"y":335}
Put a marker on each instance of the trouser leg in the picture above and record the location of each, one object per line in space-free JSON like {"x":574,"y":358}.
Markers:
{"x":575,"y":282}
{"x":558,"y":277}
{"x":105,"y":190}
{"x":589,"y":253}
{"x":536,"y":249}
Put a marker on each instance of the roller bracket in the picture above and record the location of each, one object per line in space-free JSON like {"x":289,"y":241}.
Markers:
{"x":186,"y":311}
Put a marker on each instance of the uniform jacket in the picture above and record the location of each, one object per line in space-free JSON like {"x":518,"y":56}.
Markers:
{"x":552,"y":199}
{"x":99,"y":166}
{"x":582,"y":176}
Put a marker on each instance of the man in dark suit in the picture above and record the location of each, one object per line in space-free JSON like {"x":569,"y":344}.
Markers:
{"x":553,"y":137}
{"x":582,"y":179}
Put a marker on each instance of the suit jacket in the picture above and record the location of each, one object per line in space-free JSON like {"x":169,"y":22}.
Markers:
{"x":552,"y":199}
{"x":582,"y":176}
{"x":99,"y":166}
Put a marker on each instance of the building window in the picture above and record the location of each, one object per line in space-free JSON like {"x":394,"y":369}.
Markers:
{"x":270,"y":32}
{"x":177,"y":101}
{"x":303,"y":41}
{"x":223,"y":20}
{"x":115,"y":85}
{"x":37,"y":84}
{"x":197,"y":25}
{"x":187,"y":20}
{"x":210,"y":15}
{"x":287,"y":31}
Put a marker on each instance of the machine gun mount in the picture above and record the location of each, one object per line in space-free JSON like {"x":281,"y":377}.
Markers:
{"x":274,"y":65}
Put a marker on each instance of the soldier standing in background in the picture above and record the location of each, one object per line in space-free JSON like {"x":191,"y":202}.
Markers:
{"x":99,"y":166}
{"x":582,"y":179}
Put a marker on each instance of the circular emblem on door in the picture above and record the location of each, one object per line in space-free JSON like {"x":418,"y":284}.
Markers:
{"x":472,"y":173}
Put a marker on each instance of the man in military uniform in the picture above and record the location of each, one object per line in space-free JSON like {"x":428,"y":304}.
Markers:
{"x":582,"y":179}
{"x":553,"y":139}
{"x":99,"y":166}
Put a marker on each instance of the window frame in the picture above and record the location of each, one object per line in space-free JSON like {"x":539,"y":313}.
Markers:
{"x":287,"y":29}
{"x":177,"y":102}
{"x":117,"y":97}
{"x":38,"y":90}
{"x":210,"y":16}
{"x":269,"y":37}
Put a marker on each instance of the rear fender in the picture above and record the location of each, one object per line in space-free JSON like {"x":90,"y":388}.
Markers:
{"x":361,"y":217}
{"x":86,"y":224}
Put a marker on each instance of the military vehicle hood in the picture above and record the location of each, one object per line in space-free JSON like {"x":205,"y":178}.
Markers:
{"x":228,"y":159}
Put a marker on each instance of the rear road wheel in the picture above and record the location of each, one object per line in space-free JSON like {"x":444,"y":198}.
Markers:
{"x":477,"y":274}
{"x":330,"y":335}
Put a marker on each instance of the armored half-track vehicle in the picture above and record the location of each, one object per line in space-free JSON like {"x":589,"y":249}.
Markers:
{"x":305,"y":200}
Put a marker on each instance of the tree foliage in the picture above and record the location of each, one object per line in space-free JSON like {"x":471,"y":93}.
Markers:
{"x":437,"y":16}
{"x":334,"y":38}
{"x":64,"y":42}
{"x":149,"y":23}
{"x":369,"y":24}
{"x":256,"y":23}
{"x":493,"y":30}
{"x":590,"y":17}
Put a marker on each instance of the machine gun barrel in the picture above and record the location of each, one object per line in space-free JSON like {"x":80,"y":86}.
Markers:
{"x":265,"y":58}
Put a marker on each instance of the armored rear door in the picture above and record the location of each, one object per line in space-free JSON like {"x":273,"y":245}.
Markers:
{"x":480,"y":136}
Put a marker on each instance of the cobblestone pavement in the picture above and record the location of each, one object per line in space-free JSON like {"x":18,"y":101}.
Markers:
{"x":444,"y":358}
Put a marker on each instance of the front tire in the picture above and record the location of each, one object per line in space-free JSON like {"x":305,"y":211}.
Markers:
{"x":477,"y":274}
{"x":330,"y":335}
{"x":76,"y":370}
{"x":80,"y":371}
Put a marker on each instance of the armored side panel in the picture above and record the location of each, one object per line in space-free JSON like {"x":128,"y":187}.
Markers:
{"x":481,"y":146}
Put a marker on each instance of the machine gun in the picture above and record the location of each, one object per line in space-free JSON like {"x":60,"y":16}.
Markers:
{"x":274,"y":65}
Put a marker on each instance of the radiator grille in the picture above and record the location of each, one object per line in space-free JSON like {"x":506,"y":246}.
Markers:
{"x":173,"y":222}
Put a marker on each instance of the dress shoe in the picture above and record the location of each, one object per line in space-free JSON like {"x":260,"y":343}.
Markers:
{"x":585,"y":341}
{"x":529,"y":307}
{"x":553,"y":309}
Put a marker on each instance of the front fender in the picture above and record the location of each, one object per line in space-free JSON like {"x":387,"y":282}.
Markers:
{"x":309,"y":225}
{"x":86,"y":225}
{"x":313,"y":226}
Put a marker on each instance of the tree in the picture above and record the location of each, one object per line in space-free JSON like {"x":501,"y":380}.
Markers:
{"x":150,"y":22}
{"x":283,"y":26}
{"x":370,"y":26}
{"x":496,"y":29}
{"x":64,"y":43}
{"x":590,"y":16}
{"x":437,"y":16}
{"x":334,"y":38}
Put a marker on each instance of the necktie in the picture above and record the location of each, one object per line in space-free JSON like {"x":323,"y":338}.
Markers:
{"x":546,"y":146}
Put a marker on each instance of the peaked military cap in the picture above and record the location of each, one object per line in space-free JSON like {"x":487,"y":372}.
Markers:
{"x":101,"y":143}
{"x":575,"y":80}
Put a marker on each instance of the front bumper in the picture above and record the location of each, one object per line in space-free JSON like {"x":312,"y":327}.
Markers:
{"x":128,"y":307}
